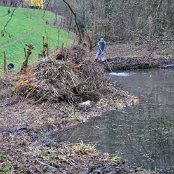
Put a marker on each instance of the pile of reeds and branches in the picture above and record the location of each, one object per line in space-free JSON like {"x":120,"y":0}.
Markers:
{"x":75,"y":54}
{"x":64,"y":80}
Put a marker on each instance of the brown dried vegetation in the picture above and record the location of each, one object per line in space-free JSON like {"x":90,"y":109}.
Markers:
{"x":73,"y":79}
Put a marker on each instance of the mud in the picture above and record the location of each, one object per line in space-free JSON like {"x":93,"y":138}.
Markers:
{"x":132,"y":63}
{"x":26,"y":148}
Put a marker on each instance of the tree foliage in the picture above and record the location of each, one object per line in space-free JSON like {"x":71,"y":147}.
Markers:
{"x":117,"y":20}
{"x":125,"y":20}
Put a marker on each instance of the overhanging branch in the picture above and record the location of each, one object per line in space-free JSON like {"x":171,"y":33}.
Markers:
{"x":75,"y":18}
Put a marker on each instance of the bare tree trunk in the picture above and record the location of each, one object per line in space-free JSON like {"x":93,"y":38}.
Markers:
{"x":76,"y":21}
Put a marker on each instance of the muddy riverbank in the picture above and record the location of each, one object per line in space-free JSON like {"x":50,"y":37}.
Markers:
{"x":134,"y":63}
{"x":25,"y":148}
{"x":20,"y":154}
{"x":132,"y":57}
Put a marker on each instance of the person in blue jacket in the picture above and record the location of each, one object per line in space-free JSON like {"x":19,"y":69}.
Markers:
{"x":100,"y":56}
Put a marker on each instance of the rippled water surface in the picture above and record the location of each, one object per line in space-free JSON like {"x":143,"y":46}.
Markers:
{"x":144,"y":134}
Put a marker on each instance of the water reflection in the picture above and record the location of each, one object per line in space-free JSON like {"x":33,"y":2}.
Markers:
{"x":143,"y":135}
{"x":121,"y":74}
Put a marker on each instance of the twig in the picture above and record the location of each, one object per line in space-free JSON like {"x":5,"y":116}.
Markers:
{"x":46,"y":164}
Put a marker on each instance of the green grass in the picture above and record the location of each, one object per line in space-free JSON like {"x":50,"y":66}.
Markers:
{"x":28,"y":27}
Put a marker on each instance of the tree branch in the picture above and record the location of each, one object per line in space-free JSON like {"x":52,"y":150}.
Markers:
{"x":76,"y":21}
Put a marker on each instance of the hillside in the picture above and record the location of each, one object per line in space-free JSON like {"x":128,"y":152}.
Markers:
{"x":27,"y":26}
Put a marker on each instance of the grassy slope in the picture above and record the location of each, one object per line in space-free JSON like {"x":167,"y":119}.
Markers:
{"x":27,"y":26}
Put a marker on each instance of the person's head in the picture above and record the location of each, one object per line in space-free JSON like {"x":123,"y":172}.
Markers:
{"x":101,"y":39}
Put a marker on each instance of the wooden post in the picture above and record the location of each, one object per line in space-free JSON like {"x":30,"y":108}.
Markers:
{"x":74,"y":41}
{"x":43,"y":42}
{"x":58,"y":38}
{"x":67,"y":38}
{"x":27,"y":52}
{"x":47,"y":47}
{"x":62,"y":45}
{"x":61,"y":23}
{"x":5,"y":63}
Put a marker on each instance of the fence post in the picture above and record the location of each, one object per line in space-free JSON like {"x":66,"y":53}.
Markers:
{"x":5,"y":63}
{"x":58,"y":38}
{"x":43,"y":42}
{"x":62,"y":46}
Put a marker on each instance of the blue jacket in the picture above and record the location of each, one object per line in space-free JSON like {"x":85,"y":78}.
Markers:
{"x":102,"y":46}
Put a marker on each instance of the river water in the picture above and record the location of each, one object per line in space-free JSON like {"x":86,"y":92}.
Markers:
{"x":144,"y":134}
